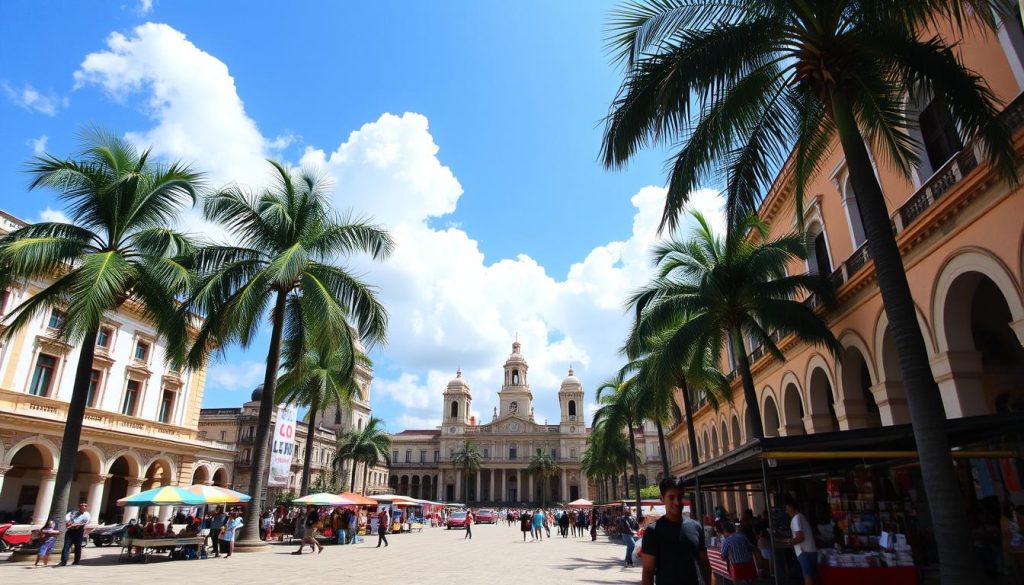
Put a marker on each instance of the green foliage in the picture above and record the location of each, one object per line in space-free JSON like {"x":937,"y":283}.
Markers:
{"x":543,"y":466}
{"x":650,"y":492}
{"x":369,"y":446}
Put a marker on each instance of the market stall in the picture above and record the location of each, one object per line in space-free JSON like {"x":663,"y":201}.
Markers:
{"x":184,"y":546}
{"x":862,"y":490}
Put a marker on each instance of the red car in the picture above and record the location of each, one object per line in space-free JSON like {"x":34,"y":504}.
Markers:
{"x":485,"y":517}
{"x":456,"y":520}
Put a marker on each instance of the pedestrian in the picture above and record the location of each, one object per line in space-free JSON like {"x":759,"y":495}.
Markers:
{"x":48,"y":534}
{"x":538,"y":524}
{"x":593,"y":526}
{"x":311,"y":521}
{"x":469,"y":525}
{"x":627,"y":528}
{"x":803,"y":543}
{"x":737,"y":552}
{"x":353,"y":527}
{"x":668,"y":558}
{"x":382,"y":527}
{"x":525,"y":525}
{"x":266,"y":525}
{"x":568,"y":519}
{"x":217,"y":522}
{"x":76,"y":522}
{"x":229,"y":532}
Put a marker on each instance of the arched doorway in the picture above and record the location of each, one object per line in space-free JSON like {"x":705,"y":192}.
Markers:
{"x":159,"y":473}
{"x":772,"y":424}
{"x":793,"y":409}
{"x":428,"y":493}
{"x":984,"y":356}
{"x":856,"y":381}
{"x":24,"y":494}
{"x":201,"y":475}
{"x":415,"y":493}
{"x":123,"y":470}
{"x":737,"y":438}
{"x":403,"y":485}
{"x":823,"y":417}
{"x":220,"y":478}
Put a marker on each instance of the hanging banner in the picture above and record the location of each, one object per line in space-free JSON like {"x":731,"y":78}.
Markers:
{"x":282,"y":447}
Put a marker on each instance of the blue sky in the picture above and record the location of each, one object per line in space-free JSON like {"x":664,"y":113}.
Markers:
{"x":471,"y":129}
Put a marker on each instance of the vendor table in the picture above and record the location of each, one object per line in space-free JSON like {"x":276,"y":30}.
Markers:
{"x":873,"y":575}
{"x":148,"y":545}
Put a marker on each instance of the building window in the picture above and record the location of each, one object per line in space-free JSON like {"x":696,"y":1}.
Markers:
{"x":818,"y":261}
{"x":103,"y":337}
{"x":554,"y":453}
{"x":56,"y":319}
{"x":167,"y":406}
{"x":142,"y":351}
{"x":938,"y":133}
{"x":223,"y":435}
{"x":408,"y":455}
{"x":572,"y":408}
{"x":853,"y":216}
{"x":572,"y":452}
{"x":512,"y":453}
{"x":423,"y":456}
{"x":42,"y":376}
{"x":394,"y":456}
{"x":437,"y":455}
{"x":337,"y":416}
{"x":131,"y":398}
{"x":455,"y":409}
{"x":487,"y":454}
{"x":95,"y":377}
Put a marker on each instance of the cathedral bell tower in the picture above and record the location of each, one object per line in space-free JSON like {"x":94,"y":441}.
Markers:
{"x":570,"y":402}
{"x":457,"y":400}
{"x":516,"y":398}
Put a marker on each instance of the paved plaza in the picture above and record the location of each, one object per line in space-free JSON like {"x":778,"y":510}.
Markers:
{"x":495,"y":555}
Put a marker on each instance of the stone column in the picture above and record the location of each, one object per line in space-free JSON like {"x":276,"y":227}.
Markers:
{"x":478,"y":476}
{"x":95,"y":499}
{"x":3,"y":471}
{"x":45,"y":497}
{"x":519,"y":485}
{"x":134,"y":487}
{"x":531,"y":492}
{"x":458,"y":484}
{"x":565,"y":485}
{"x":584,"y":486}
{"x":503,"y":489}
{"x":892,"y":403}
{"x":958,"y":374}
{"x":491,"y":492}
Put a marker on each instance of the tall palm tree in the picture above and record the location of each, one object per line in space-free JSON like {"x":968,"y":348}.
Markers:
{"x":117,"y":250}
{"x":321,"y":377}
{"x":369,"y":445}
{"x":731,"y":289}
{"x":543,"y":466}
{"x":620,"y":411}
{"x":467,"y":458}
{"x":741,"y":85}
{"x":287,"y":240}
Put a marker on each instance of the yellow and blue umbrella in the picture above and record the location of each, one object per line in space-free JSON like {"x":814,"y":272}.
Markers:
{"x":167,"y":495}
{"x":212,"y":494}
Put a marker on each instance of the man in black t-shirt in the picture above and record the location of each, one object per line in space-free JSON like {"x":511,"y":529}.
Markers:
{"x":670,"y":557}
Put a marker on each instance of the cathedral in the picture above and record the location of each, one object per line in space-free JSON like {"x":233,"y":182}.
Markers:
{"x":422,"y":464}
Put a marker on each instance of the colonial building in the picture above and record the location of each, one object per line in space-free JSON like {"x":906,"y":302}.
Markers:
{"x":959,"y":228}
{"x":422,"y":460}
{"x":237,"y":427}
{"x":140,"y":427}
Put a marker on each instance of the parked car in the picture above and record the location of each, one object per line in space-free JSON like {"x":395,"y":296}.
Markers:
{"x":107,"y":535}
{"x":485,"y":517}
{"x":456,"y":520}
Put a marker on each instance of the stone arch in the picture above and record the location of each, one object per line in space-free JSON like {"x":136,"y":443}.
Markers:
{"x":727,"y":443}
{"x":716,"y":447}
{"x":771,"y":420}
{"x":160,"y":471}
{"x":131,"y":458}
{"x":856,"y":377}
{"x":960,"y":264}
{"x":793,"y":410}
{"x":33,"y":463}
{"x":737,"y":436}
{"x":201,"y":474}
{"x":821,"y":415}
{"x":454,"y":409}
{"x":707,"y":444}
{"x":47,"y":450}
{"x":220,"y":477}
{"x":882,"y":331}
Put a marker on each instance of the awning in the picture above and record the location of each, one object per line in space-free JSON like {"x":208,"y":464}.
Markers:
{"x":805,"y":455}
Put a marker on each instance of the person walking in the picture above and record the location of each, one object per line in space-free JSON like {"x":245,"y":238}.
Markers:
{"x":627,"y":532}
{"x":309,"y":537}
{"x":803,"y":543}
{"x":526,"y":525}
{"x":469,"y":525}
{"x":382,"y":527}
{"x":538,"y":524}
{"x":217,"y":522}
{"x":593,"y":526}
{"x":228,"y":533}
{"x":76,"y":522}
{"x":668,"y":558}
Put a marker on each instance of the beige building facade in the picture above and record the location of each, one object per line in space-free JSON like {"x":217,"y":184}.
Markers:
{"x":960,"y":229}
{"x":140,"y":427}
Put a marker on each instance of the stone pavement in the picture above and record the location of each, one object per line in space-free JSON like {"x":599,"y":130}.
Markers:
{"x":495,"y":556}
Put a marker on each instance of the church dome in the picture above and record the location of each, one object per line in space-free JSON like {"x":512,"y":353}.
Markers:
{"x":257,"y":393}
{"x":515,"y":357}
{"x":458,"y":382}
{"x":571,"y":382}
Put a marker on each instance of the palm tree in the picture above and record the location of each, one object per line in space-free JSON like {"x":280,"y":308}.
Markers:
{"x":741,"y":85}
{"x":467,"y":458}
{"x":369,"y":445}
{"x":288,"y":239}
{"x":321,"y":377}
{"x":620,"y":412}
{"x":118,"y":250}
{"x":730,"y":290}
{"x":543,"y":466}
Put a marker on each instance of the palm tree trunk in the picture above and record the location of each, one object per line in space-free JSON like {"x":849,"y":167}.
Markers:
{"x":258,"y":479}
{"x":636,"y":470}
{"x":366,"y":474}
{"x":691,"y":434}
{"x":749,"y":394}
{"x":307,"y":459}
{"x":625,"y":483}
{"x":352,"y":482}
{"x":60,"y":503}
{"x":927,"y":414}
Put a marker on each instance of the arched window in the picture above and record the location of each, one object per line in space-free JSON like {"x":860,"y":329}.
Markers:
{"x":938,"y":133}
{"x":572,"y":408}
{"x":818,"y":261}
{"x":337,"y":416}
{"x":853,"y":216}
{"x":515,"y":376}
{"x":455,"y":409}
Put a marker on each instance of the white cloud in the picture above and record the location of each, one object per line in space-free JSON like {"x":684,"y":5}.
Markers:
{"x":53,"y":215}
{"x":449,"y":307}
{"x":144,"y":7}
{"x":232,"y":377}
{"x":32,"y":99}
{"x":38,"y":144}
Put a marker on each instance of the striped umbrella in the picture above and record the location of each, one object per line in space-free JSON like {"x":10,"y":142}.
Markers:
{"x":212,"y":494}
{"x":324,"y":499}
{"x":167,"y":495}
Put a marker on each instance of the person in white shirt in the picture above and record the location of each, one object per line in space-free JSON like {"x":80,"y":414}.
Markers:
{"x":76,"y":522}
{"x":803,"y":543}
